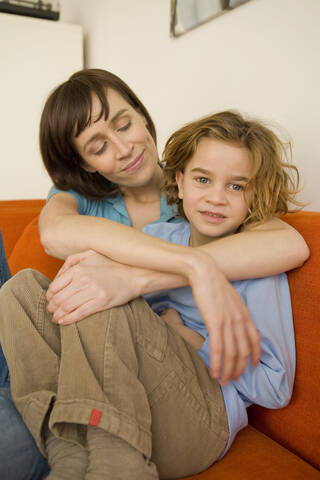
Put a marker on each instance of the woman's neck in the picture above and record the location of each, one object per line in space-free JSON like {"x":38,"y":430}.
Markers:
{"x":148,"y":193}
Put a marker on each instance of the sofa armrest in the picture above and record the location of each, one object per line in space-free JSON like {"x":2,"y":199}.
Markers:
{"x":29,"y":253}
{"x":14,"y":217}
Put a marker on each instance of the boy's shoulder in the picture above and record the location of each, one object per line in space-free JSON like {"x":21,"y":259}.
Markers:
{"x":172,"y":232}
{"x":253,"y":289}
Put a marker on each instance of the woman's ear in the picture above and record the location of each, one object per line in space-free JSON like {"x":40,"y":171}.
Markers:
{"x":85,"y":166}
{"x":179,"y":180}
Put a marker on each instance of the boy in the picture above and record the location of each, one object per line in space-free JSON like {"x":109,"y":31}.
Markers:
{"x":222,"y":172}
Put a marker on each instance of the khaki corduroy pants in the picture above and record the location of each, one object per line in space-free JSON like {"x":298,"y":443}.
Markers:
{"x":123,"y":370}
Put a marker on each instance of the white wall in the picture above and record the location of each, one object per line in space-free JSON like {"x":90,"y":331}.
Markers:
{"x":262,"y":58}
{"x":35,"y":55}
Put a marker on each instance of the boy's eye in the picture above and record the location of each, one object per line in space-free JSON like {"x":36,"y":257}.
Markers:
{"x":202,"y":180}
{"x":101,"y":150}
{"x":235,"y":187}
{"x":125,"y":127}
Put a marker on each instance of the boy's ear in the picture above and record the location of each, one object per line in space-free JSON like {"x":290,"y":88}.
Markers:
{"x":179,"y":180}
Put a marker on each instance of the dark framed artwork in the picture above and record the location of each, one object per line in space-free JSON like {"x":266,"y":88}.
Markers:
{"x":49,"y":10}
{"x":189,"y":14}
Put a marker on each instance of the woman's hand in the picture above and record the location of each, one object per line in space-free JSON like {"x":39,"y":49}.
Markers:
{"x":88,"y":283}
{"x":233,"y":335}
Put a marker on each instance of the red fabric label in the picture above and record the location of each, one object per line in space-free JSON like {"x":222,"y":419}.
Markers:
{"x":95,"y":417}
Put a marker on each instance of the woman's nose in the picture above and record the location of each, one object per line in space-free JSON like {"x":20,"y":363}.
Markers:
{"x":123,"y":148}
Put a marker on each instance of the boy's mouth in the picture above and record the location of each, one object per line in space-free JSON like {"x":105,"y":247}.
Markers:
{"x":212,"y":217}
{"x":212,"y":214}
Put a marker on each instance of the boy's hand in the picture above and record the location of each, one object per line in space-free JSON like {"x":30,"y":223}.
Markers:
{"x":172,"y":318}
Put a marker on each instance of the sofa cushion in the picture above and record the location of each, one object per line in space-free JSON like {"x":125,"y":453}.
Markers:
{"x":254,"y":456}
{"x":29,"y":253}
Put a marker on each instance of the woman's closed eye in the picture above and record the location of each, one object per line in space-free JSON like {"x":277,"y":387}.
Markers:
{"x":101,"y":150}
{"x":125,"y":127}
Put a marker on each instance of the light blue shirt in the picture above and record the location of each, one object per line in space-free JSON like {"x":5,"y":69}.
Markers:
{"x":114,"y":208}
{"x":268,"y":300}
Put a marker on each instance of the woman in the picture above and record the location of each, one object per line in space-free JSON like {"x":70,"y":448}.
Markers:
{"x":98,"y":144}
{"x":115,"y":136}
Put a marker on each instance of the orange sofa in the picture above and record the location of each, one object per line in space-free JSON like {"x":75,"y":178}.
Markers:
{"x":278,"y":444}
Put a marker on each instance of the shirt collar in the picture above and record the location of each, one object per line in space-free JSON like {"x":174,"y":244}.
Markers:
{"x":167,"y":212}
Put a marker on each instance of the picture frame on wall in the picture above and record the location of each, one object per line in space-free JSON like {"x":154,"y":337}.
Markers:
{"x":49,"y":10}
{"x":189,"y":14}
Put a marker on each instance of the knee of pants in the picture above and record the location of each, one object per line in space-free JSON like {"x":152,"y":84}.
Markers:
{"x":24,"y":288}
{"x":19,"y":455}
{"x":26,"y":279}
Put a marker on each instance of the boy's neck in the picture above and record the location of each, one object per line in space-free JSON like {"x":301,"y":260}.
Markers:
{"x":197,"y":239}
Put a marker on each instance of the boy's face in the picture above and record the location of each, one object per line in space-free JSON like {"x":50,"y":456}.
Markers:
{"x":212,"y":189}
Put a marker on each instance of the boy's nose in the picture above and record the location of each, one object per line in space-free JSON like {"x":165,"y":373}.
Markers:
{"x":216,"y":196}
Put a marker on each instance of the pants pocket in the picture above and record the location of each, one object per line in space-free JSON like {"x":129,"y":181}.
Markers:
{"x":185,"y":442}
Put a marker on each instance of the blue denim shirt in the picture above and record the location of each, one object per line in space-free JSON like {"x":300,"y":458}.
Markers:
{"x":4,"y":276}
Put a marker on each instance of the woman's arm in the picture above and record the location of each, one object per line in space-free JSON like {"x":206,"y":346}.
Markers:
{"x":269,"y":249}
{"x":259,"y":252}
{"x":97,"y":283}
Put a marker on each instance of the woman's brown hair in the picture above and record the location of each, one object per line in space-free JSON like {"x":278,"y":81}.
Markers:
{"x":274,"y":180}
{"x":66,"y":114}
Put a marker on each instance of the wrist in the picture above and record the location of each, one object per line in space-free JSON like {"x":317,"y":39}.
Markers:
{"x":199,"y":263}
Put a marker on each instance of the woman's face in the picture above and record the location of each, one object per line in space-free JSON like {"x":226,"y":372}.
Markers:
{"x":120,"y":148}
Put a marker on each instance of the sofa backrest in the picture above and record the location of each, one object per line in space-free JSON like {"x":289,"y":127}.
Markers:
{"x":297,"y":426}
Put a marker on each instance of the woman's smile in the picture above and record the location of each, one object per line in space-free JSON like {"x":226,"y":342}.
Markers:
{"x":135,"y":164}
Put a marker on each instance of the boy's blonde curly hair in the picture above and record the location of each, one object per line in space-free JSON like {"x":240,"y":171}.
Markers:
{"x":274,"y":180}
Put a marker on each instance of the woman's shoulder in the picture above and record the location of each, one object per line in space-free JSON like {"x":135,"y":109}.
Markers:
{"x":112,"y":208}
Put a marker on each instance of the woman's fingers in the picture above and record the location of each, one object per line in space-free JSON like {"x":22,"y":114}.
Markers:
{"x":56,"y":286}
{"x":84,"y":310}
{"x":74,"y":260}
{"x":91,"y":285}
{"x":233,"y":335}
{"x":216,"y":349}
{"x":230,"y":356}
{"x":232,"y":343}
